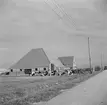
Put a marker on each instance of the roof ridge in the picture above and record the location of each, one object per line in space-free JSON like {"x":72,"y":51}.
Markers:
{"x":36,"y":48}
{"x":45,"y":54}
{"x":65,"y":56}
{"x":30,"y":56}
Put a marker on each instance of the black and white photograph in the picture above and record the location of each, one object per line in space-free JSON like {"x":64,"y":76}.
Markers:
{"x":53,"y":52}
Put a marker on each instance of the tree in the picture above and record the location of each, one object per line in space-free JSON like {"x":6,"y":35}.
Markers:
{"x":105,"y":67}
{"x":97,"y":68}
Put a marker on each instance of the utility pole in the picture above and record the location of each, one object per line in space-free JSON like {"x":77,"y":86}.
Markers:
{"x":101,"y":61}
{"x":61,"y":13}
{"x":89,"y":53}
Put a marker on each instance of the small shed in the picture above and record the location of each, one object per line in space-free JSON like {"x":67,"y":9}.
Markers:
{"x":68,"y":62}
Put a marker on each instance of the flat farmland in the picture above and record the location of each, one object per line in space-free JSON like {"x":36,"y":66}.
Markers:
{"x":29,"y":90}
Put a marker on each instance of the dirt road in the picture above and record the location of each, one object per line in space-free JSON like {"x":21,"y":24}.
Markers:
{"x":90,"y":92}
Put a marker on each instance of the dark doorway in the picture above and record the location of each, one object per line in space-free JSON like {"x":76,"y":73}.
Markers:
{"x":44,"y":68}
{"x":36,"y":69}
{"x":28,"y":71}
{"x":11,"y":70}
{"x":20,"y":69}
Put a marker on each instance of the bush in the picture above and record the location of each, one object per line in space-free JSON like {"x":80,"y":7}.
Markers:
{"x":97,"y":68}
{"x":89,"y":70}
{"x":105,"y":67}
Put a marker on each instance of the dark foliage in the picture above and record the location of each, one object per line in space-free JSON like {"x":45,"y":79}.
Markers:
{"x":97,"y":68}
{"x":105,"y":67}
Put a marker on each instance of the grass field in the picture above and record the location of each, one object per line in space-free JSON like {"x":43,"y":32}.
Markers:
{"x":29,"y":90}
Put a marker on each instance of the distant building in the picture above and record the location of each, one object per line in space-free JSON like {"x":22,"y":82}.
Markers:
{"x":65,"y":64}
{"x":34,"y":61}
{"x":59,"y":67}
{"x":68,"y":62}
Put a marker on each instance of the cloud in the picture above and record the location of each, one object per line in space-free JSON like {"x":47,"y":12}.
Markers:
{"x":27,"y":25}
{"x":4,"y":49}
{"x":3,"y":3}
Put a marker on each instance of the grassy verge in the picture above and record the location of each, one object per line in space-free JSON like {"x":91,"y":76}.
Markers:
{"x":40,"y":92}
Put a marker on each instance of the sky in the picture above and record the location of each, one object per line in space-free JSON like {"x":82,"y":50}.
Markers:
{"x":27,"y":24}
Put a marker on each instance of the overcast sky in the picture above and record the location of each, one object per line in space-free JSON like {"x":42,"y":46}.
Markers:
{"x":27,"y":24}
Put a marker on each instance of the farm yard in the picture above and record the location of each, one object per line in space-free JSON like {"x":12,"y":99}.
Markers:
{"x":53,"y":52}
{"x":30,"y":90}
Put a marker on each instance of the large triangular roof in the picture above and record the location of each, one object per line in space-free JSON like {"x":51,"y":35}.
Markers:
{"x":57,"y":63}
{"x":67,"y":60}
{"x":34,"y":58}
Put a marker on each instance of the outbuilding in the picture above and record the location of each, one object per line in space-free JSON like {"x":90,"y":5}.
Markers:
{"x":34,"y":62}
{"x":68,"y":62}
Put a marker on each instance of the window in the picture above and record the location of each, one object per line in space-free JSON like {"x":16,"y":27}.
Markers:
{"x":11,"y":70}
{"x":36,"y":69}
{"x":44,"y":68}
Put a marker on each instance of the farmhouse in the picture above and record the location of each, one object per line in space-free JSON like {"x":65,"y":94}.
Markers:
{"x":35,"y":61}
{"x":65,"y":65}
{"x":58,"y":66}
{"x":68,"y":62}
